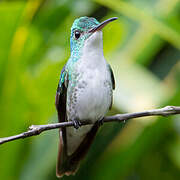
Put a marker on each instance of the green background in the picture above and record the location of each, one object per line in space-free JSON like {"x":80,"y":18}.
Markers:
{"x":142,"y":47}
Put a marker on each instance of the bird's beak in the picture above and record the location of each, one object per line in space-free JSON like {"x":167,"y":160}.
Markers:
{"x":101,"y":25}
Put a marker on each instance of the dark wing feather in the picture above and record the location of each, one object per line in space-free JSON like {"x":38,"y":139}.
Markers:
{"x":113,"y":83}
{"x":112,"y":77}
{"x":60,"y":100}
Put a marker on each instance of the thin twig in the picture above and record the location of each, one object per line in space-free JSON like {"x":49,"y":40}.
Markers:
{"x":37,"y":129}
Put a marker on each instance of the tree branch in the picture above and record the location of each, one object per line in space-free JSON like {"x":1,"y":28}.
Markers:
{"x":37,"y":129}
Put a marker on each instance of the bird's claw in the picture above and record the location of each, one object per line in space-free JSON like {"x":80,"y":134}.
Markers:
{"x":101,"y":122}
{"x":76,"y":124}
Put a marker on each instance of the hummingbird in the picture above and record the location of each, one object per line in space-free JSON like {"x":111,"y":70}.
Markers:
{"x":84,"y":93}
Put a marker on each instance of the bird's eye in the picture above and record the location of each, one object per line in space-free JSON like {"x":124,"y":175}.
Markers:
{"x":77,"y":34}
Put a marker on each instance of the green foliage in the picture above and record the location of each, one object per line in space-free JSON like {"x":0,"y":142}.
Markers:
{"x":142,"y":47}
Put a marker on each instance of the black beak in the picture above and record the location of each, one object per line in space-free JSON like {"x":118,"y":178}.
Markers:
{"x":101,"y":25}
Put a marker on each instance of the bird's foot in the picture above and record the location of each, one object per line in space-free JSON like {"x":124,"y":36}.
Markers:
{"x":76,"y":124}
{"x":101,"y":122}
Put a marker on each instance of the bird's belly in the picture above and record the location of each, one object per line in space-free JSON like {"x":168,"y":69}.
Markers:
{"x":93,"y":99}
{"x":88,"y":100}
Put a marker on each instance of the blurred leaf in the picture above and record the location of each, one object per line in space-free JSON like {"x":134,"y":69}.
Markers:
{"x":124,"y":158}
{"x":153,"y":23}
{"x":42,"y":157}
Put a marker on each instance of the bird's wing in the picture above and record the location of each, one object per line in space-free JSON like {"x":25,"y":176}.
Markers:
{"x":113,"y":83}
{"x":112,"y":77}
{"x":61,"y":92}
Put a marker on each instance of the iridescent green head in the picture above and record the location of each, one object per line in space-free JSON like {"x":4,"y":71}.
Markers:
{"x":82,"y":29}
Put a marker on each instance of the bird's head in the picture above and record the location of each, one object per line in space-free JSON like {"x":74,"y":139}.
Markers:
{"x":86,"y":29}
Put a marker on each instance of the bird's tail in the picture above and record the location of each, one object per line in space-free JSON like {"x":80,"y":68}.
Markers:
{"x":68,"y":165}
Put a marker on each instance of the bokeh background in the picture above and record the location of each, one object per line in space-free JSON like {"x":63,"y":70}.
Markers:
{"x":142,"y":47}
